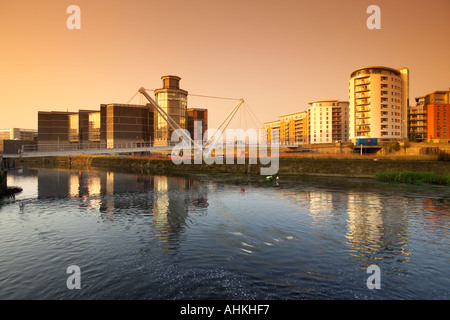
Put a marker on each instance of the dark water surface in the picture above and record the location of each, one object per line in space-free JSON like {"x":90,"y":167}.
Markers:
{"x":162,"y":237}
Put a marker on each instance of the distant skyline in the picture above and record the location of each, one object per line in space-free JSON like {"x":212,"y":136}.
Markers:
{"x":276,"y":55}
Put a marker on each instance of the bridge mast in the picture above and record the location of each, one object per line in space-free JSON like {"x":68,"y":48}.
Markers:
{"x":173,"y":124}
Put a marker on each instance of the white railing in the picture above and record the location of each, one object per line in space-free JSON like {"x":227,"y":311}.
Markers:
{"x":47,"y":147}
{"x":126,"y":146}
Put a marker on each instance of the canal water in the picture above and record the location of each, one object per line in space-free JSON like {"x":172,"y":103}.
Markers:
{"x":164,"y":237}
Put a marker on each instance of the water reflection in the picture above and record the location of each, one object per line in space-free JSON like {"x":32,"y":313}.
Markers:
{"x":167,"y":200}
{"x":307,"y":238}
{"x":379,"y":222}
{"x":376,"y":222}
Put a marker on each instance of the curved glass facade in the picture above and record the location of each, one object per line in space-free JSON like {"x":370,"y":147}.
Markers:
{"x":173,"y":101}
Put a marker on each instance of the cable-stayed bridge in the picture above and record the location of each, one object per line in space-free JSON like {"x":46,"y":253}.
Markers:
{"x":57,"y":149}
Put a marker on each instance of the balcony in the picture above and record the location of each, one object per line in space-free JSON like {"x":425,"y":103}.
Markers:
{"x":415,"y":111}
{"x":362,"y":88}
{"x":362,"y":128}
{"x":363,"y":109}
{"x":362,"y":95}
{"x":362,"y":81}
{"x":360,"y":102}
{"x":362,"y":121}
{"x":362,"y":115}
{"x":414,"y":118}
{"x":418,"y":130}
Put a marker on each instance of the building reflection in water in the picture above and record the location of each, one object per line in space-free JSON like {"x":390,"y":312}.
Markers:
{"x":436,"y":215}
{"x":167,"y":200}
{"x":376,"y":226}
{"x":376,"y":223}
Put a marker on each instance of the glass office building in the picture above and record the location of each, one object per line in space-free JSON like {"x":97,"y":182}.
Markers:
{"x":173,"y":101}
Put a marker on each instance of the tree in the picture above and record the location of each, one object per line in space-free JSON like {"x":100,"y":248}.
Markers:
{"x":406,"y":144}
{"x":393,"y":145}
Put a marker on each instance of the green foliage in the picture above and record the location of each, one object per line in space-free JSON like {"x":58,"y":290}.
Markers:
{"x":416,"y":177}
{"x":394,"y":145}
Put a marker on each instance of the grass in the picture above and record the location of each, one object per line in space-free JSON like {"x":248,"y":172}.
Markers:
{"x":419,"y":177}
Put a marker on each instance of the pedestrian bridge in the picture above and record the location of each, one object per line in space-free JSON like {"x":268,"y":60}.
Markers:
{"x":50,"y":150}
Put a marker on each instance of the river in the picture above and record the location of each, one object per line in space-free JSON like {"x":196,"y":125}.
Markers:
{"x":204,"y":237}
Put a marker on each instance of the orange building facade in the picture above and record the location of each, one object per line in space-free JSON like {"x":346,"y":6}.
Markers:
{"x":429,"y":119}
{"x":438,"y":121}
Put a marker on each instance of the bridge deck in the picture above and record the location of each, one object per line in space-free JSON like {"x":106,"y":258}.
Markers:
{"x":132,"y":149}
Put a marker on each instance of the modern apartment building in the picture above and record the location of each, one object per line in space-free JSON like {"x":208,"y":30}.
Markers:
{"x":378,"y":103}
{"x":173,"y":101}
{"x":328,"y":121}
{"x":271,"y":131}
{"x":294,"y":128}
{"x":429,"y":119}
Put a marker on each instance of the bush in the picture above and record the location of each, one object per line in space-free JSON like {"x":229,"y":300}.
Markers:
{"x":393,"y":145}
{"x":413,"y":177}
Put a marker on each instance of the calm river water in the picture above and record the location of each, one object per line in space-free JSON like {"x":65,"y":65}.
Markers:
{"x":162,"y":237}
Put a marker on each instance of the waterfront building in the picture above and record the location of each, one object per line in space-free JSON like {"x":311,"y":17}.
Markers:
{"x":53,"y":127}
{"x":429,"y":119}
{"x":113,"y":124}
{"x":378,"y":102}
{"x":194,"y":115}
{"x":12,"y":140}
{"x":294,"y":128}
{"x":125,"y":123}
{"x":18,"y":134}
{"x":328,"y":121}
{"x":173,"y":101}
{"x":122,"y":123}
{"x":271,"y":131}
{"x":84,"y":128}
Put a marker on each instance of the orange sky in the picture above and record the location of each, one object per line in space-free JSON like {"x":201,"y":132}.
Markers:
{"x":277,"y":55}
